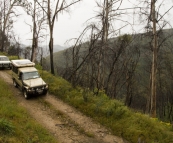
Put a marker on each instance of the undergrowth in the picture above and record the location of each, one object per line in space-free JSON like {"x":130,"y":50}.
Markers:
{"x":111,"y":113}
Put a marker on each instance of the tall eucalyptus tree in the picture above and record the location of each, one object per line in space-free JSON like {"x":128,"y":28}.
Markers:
{"x":154,"y":60}
{"x":155,"y":13}
{"x":155,"y":21}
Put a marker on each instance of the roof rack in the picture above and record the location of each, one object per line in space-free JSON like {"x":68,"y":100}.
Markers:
{"x":22,"y":63}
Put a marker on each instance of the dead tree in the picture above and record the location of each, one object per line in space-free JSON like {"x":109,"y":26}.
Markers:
{"x":6,"y":11}
{"x":155,"y":23}
{"x":154,"y":60}
{"x":37,"y":27}
{"x":52,"y":13}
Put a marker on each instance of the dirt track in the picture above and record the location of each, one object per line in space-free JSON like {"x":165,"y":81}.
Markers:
{"x":63,"y":121}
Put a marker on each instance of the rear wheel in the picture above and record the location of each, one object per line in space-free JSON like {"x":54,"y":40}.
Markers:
{"x":25,"y":93}
{"x":14,"y":83}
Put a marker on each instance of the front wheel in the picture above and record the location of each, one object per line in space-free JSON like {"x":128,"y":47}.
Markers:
{"x":45,"y":92}
{"x":25,"y":93}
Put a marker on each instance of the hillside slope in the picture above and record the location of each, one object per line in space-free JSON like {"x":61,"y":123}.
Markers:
{"x":125,"y":71}
{"x":64,"y":122}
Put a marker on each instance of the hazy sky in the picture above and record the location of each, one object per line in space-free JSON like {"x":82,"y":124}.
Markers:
{"x":68,"y":25}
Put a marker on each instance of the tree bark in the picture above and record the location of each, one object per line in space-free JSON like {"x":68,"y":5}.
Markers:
{"x":154,"y":62}
{"x":34,"y":40}
{"x":51,"y":55}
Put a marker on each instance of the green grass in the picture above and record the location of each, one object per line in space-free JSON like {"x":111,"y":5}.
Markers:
{"x":16,"y":126}
{"x":111,"y":113}
{"x":10,"y":57}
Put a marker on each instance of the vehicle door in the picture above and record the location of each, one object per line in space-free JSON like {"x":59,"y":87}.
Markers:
{"x":19,"y":79}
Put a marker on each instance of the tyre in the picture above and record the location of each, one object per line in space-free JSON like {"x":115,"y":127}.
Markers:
{"x":14,"y":83}
{"x":25,"y":94}
{"x":45,"y":92}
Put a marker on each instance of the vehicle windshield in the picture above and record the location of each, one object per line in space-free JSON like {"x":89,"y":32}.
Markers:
{"x":4,"y":59}
{"x":30,"y":75}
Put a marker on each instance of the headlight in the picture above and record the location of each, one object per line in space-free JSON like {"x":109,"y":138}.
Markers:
{"x":31,"y":89}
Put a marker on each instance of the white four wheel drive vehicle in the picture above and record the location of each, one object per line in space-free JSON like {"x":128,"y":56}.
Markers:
{"x":5,"y":62}
{"x":26,"y":77}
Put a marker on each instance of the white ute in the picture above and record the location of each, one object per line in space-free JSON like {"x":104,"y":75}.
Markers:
{"x":5,"y":62}
{"x":26,"y":77}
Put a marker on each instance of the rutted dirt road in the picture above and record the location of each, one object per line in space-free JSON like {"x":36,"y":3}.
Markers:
{"x":63,"y":121}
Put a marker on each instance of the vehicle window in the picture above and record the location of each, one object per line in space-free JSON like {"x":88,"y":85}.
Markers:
{"x":20,"y":75}
{"x":4,"y":59}
{"x":15,"y":69}
{"x":30,"y":75}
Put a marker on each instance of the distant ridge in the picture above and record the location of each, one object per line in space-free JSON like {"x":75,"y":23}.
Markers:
{"x":46,"y":52}
{"x":56,"y":48}
{"x":60,"y":60}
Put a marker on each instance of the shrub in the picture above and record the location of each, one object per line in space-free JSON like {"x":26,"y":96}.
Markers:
{"x":6,"y":127}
